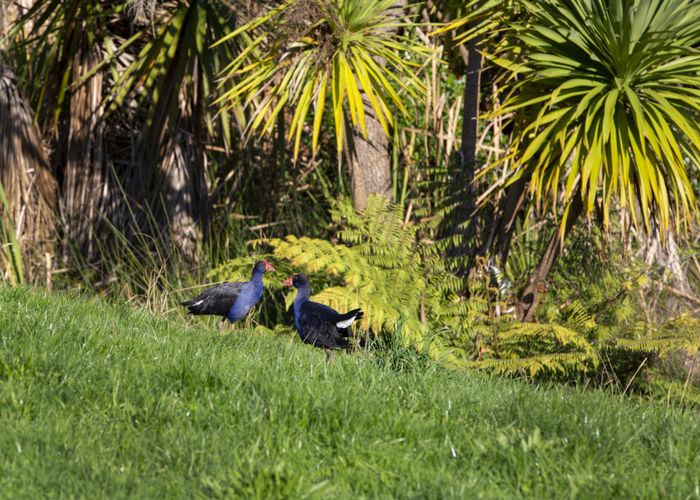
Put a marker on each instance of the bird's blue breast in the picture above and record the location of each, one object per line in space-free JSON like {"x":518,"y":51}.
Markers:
{"x":297,"y":313}
{"x":249,"y":296}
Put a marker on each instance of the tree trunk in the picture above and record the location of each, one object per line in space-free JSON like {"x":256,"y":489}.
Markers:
{"x":183,"y":190}
{"x":180,"y":193}
{"x":509,"y":208}
{"x":25,"y":175}
{"x":83,"y":190}
{"x":369,"y":160}
{"x":470,"y":120}
{"x":662,"y":252}
{"x":461,"y":225}
{"x":511,"y":204}
{"x":369,"y":157}
{"x":469,"y":221}
{"x":529,"y":299}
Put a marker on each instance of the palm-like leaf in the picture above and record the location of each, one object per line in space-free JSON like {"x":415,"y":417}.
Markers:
{"x":611,"y":91}
{"x":475,"y":18}
{"x":46,"y":40}
{"x":177,"y":56}
{"x":295,"y":52}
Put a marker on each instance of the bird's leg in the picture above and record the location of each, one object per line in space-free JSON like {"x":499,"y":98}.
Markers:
{"x":355,"y":343}
{"x":329,"y":355}
{"x":222,"y":324}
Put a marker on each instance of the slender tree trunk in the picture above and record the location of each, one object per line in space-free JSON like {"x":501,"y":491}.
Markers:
{"x":528,"y":299}
{"x":469,"y":221}
{"x":470,"y":120}
{"x":511,"y":204}
{"x":462,"y":223}
{"x":25,"y":175}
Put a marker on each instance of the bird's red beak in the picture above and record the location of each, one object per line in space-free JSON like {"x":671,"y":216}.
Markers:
{"x":288,"y":281}
{"x":268,"y":266}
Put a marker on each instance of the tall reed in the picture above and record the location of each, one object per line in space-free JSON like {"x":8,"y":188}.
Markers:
{"x":11,"y":254}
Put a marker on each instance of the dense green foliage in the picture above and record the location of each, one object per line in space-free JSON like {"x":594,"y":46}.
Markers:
{"x":597,"y":335}
{"x":610,"y":91}
{"x":98,"y":400}
{"x":375,"y":251}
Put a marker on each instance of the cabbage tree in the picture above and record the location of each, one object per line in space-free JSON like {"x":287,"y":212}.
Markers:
{"x":28,"y":205}
{"x":610,"y":93}
{"x":305,"y":52}
{"x":121,"y":90}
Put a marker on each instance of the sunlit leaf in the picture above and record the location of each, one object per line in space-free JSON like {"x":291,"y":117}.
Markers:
{"x":630,"y":74}
{"x":363,"y":32}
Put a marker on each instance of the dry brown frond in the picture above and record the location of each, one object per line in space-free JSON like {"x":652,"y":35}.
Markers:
{"x":84,"y":173}
{"x":28,"y":181}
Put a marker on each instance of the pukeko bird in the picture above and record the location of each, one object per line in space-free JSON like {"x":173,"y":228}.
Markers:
{"x":232,"y":301}
{"x":317,"y":324}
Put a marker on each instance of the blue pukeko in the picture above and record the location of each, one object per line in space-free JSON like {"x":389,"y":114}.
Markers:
{"x":317,"y":324}
{"x":232,"y":301}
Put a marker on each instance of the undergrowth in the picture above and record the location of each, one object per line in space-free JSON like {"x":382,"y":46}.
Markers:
{"x":589,"y":329}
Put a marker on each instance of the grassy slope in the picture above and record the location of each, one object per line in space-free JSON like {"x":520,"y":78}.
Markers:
{"x":99,"y":400}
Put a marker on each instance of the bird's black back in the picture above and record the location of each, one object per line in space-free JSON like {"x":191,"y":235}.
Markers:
{"x":216,"y":300}
{"x":317,"y":326}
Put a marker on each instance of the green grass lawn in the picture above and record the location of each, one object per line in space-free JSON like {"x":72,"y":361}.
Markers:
{"x":103,"y":401}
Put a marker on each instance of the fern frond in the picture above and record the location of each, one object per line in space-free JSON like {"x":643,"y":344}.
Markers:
{"x":536,"y":348}
{"x":536,"y":365}
{"x":683,"y":333}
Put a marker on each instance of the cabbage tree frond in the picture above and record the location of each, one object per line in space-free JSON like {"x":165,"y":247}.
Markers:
{"x":295,"y":52}
{"x":618,"y":123}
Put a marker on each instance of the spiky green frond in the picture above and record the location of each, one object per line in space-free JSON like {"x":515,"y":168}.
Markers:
{"x":477,"y":18}
{"x":178,"y":57}
{"x":296,"y":53}
{"x":609,"y":91}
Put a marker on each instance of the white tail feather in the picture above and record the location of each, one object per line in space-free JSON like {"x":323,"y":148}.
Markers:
{"x":346,"y":323}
